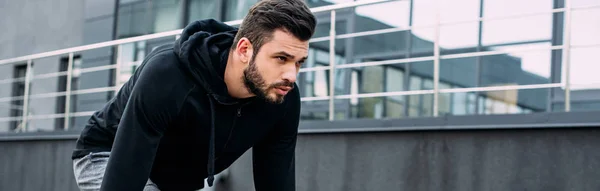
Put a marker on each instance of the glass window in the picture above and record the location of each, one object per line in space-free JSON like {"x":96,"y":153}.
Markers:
{"x":584,"y":3}
{"x":354,"y":87}
{"x":372,"y":79}
{"x":145,"y":17}
{"x":515,"y":68}
{"x":415,"y":100}
{"x":319,"y":3}
{"x":584,"y":68}
{"x":516,"y":30}
{"x":321,"y":84}
{"x":237,"y":9}
{"x":394,"y":81}
{"x":377,"y":16}
{"x":585,"y":41}
{"x":464,"y":35}
{"x":423,"y":19}
{"x":459,"y":104}
{"x":371,"y":107}
{"x":203,"y":9}
{"x":167,"y":15}
{"x":18,"y":89}
{"x":394,"y":108}
{"x":471,"y":103}
{"x":445,"y":101}
{"x":315,"y":110}
{"x":585,"y":27}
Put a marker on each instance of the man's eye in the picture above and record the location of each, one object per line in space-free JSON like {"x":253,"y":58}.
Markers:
{"x":281,"y":58}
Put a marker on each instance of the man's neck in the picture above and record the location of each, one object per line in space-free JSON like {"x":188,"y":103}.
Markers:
{"x":234,"y":70}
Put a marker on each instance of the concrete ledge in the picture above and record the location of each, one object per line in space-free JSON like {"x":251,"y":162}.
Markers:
{"x":587,"y":119}
{"x":468,"y":122}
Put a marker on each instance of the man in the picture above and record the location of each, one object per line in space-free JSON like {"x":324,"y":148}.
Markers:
{"x":194,"y":107}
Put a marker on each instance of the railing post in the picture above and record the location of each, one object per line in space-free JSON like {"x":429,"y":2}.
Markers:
{"x":567,"y":54}
{"x":436,"y":61}
{"x":25,"y":110}
{"x":332,"y":67}
{"x":68,"y":92}
{"x":118,"y":68}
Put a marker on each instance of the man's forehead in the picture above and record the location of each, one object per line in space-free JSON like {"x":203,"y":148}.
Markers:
{"x":287,"y":38}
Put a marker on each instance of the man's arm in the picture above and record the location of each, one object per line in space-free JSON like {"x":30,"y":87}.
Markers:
{"x":273,"y":158}
{"x":148,"y":112}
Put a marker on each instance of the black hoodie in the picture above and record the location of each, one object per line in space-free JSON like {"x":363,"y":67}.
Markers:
{"x":175,"y":123}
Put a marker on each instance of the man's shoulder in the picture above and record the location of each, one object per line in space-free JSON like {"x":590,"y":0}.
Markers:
{"x":160,"y":74}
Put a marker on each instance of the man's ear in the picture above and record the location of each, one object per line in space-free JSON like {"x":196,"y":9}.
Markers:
{"x":244,"y":50}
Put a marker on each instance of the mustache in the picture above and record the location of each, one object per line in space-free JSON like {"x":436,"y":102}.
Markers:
{"x":284,"y":84}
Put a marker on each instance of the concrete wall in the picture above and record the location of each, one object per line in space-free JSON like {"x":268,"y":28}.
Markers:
{"x":543,"y":159}
{"x":37,"y":165}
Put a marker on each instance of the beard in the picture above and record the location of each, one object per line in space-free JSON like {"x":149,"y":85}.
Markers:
{"x":255,"y":83}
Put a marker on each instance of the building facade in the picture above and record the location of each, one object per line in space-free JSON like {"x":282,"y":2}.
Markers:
{"x":408,"y":59}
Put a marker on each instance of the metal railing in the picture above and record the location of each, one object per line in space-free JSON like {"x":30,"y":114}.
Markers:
{"x":333,"y":36}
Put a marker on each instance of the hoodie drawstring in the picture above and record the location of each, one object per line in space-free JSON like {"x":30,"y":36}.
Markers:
{"x":211,"y":147}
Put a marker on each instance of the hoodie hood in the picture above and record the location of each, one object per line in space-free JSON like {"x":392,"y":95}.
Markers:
{"x":203,"y":49}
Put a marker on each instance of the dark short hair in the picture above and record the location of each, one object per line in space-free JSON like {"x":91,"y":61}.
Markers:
{"x":266,"y":16}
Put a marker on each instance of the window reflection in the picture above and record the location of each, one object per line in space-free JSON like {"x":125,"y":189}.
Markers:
{"x":515,"y":68}
{"x":203,"y":9}
{"x":237,"y":9}
{"x":146,"y":17}
{"x":585,"y":27}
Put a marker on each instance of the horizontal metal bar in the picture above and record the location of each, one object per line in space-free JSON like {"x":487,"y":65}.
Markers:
{"x":596,"y":45}
{"x":385,"y":94}
{"x":585,"y":7}
{"x":373,"y":32}
{"x":312,"y":69}
{"x":14,"y":98}
{"x":516,"y":16}
{"x":11,"y":106}
{"x":17,"y":118}
{"x":541,"y":125}
{"x":49,"y":116}
{"x":348,"y":5}
{"x":98,"y":68}
{"x":11,"y":80}
{"x":48,"y":75}
{"x":38,"y":136}
{"x":319,"y":39}
{"x":95,"y":90}
{"x":82,"y":114}
{"x":385,"y":62}
{"x":500,"y":88}
{"x":585,"y":86}
{"x":47,"y":95}
{"x":58,"y":74}
{"x":55,"y":94}
{"x":322,"y":98}
{"x":496,"y":52}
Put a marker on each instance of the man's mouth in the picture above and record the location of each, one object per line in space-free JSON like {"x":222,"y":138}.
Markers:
{"x":283,"y":90}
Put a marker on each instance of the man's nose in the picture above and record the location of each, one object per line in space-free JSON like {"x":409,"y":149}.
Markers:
{"x":290,"y":74}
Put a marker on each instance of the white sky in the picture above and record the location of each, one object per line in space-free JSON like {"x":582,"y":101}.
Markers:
{"x":585,"y":29}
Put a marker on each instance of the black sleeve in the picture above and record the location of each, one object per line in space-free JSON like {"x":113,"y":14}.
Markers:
{"x":151,"y":107}
{"x":273,"y":158}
